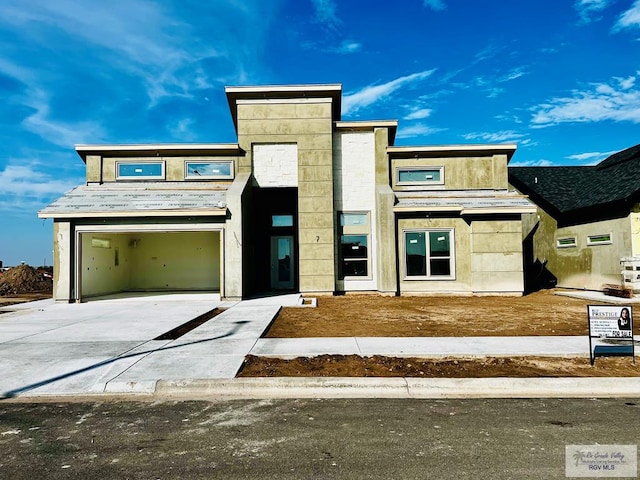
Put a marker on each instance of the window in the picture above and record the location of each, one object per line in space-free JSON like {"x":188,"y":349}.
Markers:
{"x":354,"y":245}
{"x":139,"y":170}
{"x":604,"y":239}
{"x":282,"y":220}
{"x":420,"y":176}
{"x":429,"y":254}
{"x":566,"y":242}
{"x":220,"y":170}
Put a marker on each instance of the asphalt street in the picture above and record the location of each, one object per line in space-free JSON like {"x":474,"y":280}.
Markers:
{"x":307,"y":438}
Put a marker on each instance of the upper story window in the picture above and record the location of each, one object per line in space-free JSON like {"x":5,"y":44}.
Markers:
{"x":218,"y":170}
{"x":566,"y":242}
{"x":603,"y":239}
{"x":419,"y":176}
{"x":282,"y":220}
{"x":140,"y":170}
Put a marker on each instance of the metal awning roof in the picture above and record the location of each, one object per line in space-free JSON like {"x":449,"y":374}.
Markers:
{"x":147,"y":199}
{"x":464,"y":202}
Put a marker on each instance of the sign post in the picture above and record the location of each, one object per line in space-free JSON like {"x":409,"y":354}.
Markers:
{"x":613,"y":326}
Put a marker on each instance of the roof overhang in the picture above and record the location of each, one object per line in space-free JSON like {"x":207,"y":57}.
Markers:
{"x":427,"y":151}
{"x":464,"y":203}
{"x":278,"y":92}
{"x":210,"y":212}
{"x":468,"y":210}
{"x":159,"y":149}
{"x":140,"y":200}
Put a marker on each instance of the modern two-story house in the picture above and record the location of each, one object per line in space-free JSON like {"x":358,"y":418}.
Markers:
{"x":302,"y":202}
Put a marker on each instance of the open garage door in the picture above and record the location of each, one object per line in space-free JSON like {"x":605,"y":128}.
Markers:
{"x":111,"y":262}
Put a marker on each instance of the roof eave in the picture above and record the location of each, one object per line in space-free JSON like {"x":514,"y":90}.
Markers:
{"x":209,"y":212}
{"x":454,"y":150}
{"x":159,"y":149}
{"x":275,"y":92}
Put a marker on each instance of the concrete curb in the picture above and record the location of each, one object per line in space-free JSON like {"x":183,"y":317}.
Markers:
{"x":427,"y":388}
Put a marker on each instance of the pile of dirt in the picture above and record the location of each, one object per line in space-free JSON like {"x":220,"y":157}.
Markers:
{"x":447,"y":367}
{"x":24,"y":279}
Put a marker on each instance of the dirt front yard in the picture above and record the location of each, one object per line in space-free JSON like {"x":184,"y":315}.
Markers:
{"x":540,"y":313}
{"x":7,"y":300}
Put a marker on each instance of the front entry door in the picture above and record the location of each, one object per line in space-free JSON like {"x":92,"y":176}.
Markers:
{"x":282,"y":273}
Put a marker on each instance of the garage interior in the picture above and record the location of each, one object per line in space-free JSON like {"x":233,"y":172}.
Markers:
{"x":157,"y":261}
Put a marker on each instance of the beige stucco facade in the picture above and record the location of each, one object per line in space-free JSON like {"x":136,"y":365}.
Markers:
{"x":582,"y":264}
{"x":304,"y":201}
{"x":309,"y":125}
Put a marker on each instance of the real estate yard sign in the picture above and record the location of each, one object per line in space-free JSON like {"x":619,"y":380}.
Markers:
{"x":613,"y":326}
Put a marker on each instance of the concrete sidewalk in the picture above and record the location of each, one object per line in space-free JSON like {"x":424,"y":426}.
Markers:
{"x":107,"y":346}
{"x":574,"y":346}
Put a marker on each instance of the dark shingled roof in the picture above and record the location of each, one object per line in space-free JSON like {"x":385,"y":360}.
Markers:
{"x":612,"y":185}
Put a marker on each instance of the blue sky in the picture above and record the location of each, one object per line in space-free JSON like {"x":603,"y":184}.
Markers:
{"x":561,"y":78}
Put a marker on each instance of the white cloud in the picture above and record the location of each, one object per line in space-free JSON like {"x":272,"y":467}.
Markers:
{"x":181,"y":130}
{"x":588,"y":8}
{"x":504,"y":136}
{"x":513,"y":75}
{"x":64,"y":134}
{"x":369,"y":95}
{"x":437,"y":5}
{"x":531,"y":163}
{"x":615,"y":101}
{"x":630,"y":18}
{"x":494,"y":92}
{"x":487,"y":53}
{"x":590,"y":158}
{"x":141,"y":38}
{"x":418,"y":130}
{"x":326,"y":13}
{"x":626,"y":83}
{"x":25,"y":180}
{"x":346,"y":47}
{"x":418,"y":114}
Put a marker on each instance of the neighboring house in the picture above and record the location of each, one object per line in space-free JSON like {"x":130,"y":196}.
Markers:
{"x":303,"y":202}
{"x":587,"y":221}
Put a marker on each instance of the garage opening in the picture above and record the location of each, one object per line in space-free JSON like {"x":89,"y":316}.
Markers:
{"x":149,"y":262}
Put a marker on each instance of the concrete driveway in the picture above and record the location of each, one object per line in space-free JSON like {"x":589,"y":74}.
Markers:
{"x":108,"y":345}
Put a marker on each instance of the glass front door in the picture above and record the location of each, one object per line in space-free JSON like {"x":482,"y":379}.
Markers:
{"x":282,"y":273}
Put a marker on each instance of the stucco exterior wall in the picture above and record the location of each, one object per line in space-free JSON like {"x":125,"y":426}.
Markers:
{"x":94,"y":168}
{"x":308,"y":124}
{"x":583,"y":266}
{"x":235,"y":258}
{"x":634,"y":219}
{"x":496,"y":256}
{"x":460,"y":173}
{"x":385,"y":221}
{"x":62,"y":261}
